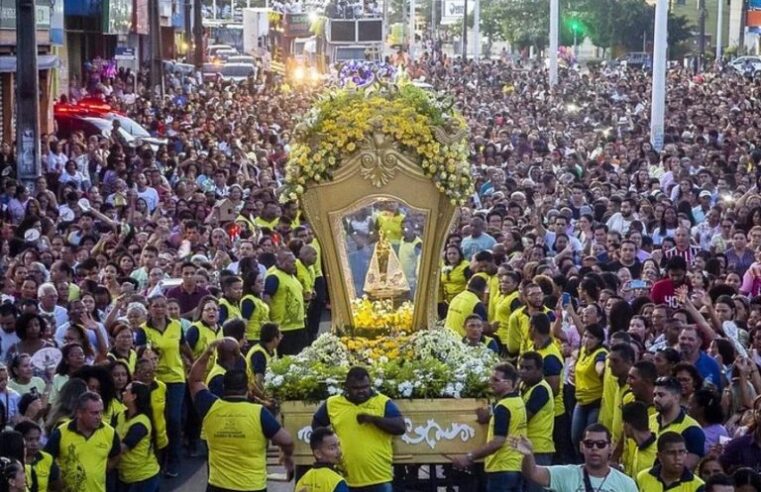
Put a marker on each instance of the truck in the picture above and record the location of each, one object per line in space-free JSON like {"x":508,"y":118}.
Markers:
{"x":354,"y":39}
{"x":256,"y":28}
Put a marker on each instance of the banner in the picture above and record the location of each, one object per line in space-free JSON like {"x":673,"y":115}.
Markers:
{"x":56,"y":22}
{"x":141,"y":23}
{"x":8,"y":14}
{"x":452,"y":11}
{"x":117,"y":16}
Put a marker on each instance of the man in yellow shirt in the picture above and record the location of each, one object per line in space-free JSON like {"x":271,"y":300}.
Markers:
{"x":466,"y":303}
{"x":85,"y":448}
{"x":620,"y":360}
{"x":236,"y":431}
{"x":366,"y":423}
{"x":671,"y":417}
{"x":637,"y":428}
{"x":671,"y":471}
{"x":501,"y":461}
{"x":518,"y":326}
{"x":285,"y":296}
{"x":327,"y":454}
{"x":540,"y":410}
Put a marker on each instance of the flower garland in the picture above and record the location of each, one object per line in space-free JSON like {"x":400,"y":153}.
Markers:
{"x":428,"y":364}
{"x":335,"y":128}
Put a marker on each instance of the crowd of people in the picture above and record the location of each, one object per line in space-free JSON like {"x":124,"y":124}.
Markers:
{"x":620,"y":284}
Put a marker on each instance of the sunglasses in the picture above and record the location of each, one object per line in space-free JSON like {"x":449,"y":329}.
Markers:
{"x":589,"y":444}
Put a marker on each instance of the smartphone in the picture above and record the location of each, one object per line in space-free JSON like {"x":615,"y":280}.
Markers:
{"x":638,"y":284}
{"x":566,"y":298}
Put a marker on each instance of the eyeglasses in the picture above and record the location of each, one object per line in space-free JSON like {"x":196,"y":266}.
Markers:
{"x":589,"y":444}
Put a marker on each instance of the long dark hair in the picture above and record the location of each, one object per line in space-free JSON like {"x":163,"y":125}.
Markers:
{"x":142,"y":394}
{"x":63,"y":366}
{"x":107,"y":390}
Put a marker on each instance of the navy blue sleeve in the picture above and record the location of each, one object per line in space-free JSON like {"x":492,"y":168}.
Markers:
{"x":694,"y":440}
{"x":258,"y":363}
{"x":53,"y":446}
{"x":552,"y":366}
{"x":270,"y":425}
{"x":515,"y":305}
{"x":247,"y":308}
{"x":216,"y":385}
{"x":192,"y":336}
{"x":203,"y":401}
{"x":223,"y":314}
{"x":271,"y":283}
{"x":391,"y":410}
{"x":134,"y":435}
{"x":55,"y":472}
{"x":321,"y":417}
{"x":480,"y":310}
{"x":538,"y":399}
{"x":493,"y":346}
{"x":341,"y":487}
{"x":140,"y":338}
{"x":601,"y":357}
{"x":116,"y":446}
{"x":501,"y":420}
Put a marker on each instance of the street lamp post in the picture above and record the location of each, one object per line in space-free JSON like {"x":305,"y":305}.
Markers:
{"x":27,"y":100}
{"x":658,"y":101}
{"x":553,"y":42}
{"x":719,"y":28}
{"x":477,"y":29}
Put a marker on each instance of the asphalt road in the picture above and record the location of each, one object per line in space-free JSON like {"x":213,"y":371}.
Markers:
{"x":193,"y":478}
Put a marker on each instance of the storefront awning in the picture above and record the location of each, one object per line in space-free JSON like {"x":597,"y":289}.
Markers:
{"x":44,"y":62}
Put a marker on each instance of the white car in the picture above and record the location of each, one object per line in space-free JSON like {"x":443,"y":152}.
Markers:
{"x":739,"y":63}
{"x":242,"y":59}
{"x":237,"y":72}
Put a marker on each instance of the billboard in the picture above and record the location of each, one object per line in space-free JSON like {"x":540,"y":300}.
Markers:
{"x":8,"y":14}
{"x":117,"y":16}
{"x":452,"y":11}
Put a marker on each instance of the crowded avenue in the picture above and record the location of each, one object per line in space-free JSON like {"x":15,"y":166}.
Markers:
{"x":418,"y":273}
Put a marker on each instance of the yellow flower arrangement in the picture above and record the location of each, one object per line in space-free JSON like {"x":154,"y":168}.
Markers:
{"x":381,"y":315}
{"x":373,"y":350}
{"x":335,"y":127}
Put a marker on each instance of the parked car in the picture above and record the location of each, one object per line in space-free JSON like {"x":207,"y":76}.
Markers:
{"x":739,"y":64}
{"x":99,"y":121}
{"x":210,"y":71}
{"x":211,"y":50}
{"x":237,"y":72}
{"x":223,"y":55}
{"x":242,"y":59}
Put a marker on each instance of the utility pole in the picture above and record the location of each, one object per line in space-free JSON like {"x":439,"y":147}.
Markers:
{"x":27,"y":95}
{"x":719,"y":28}
{"x":702,"y":41}
{"x":188,"y":31}
{"x":411,"y":45}
{"x":477,"y":29}
{"x":198,"y":32}
{"x":554,"y":16}
{"x":658,"y":101}
{"x":465,"y":32}
{"x":157,"y":66}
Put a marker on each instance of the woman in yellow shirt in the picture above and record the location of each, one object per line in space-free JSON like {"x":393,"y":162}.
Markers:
{"x":138,"y":467}
{"x":455,"y":272}
{"x":589,"y":370}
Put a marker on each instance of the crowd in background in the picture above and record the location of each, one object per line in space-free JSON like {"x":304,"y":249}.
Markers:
{"x":639,"y":264}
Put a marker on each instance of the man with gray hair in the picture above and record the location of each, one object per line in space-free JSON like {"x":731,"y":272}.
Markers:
{"x":48,"y":299}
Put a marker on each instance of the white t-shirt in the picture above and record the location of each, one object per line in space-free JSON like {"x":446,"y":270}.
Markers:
{"x":570,"y":478}
{"x":7,"y":340}
{"x":151,"y":197}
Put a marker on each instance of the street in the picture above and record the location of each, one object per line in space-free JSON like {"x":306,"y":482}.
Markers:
{"x":193,"y":478}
